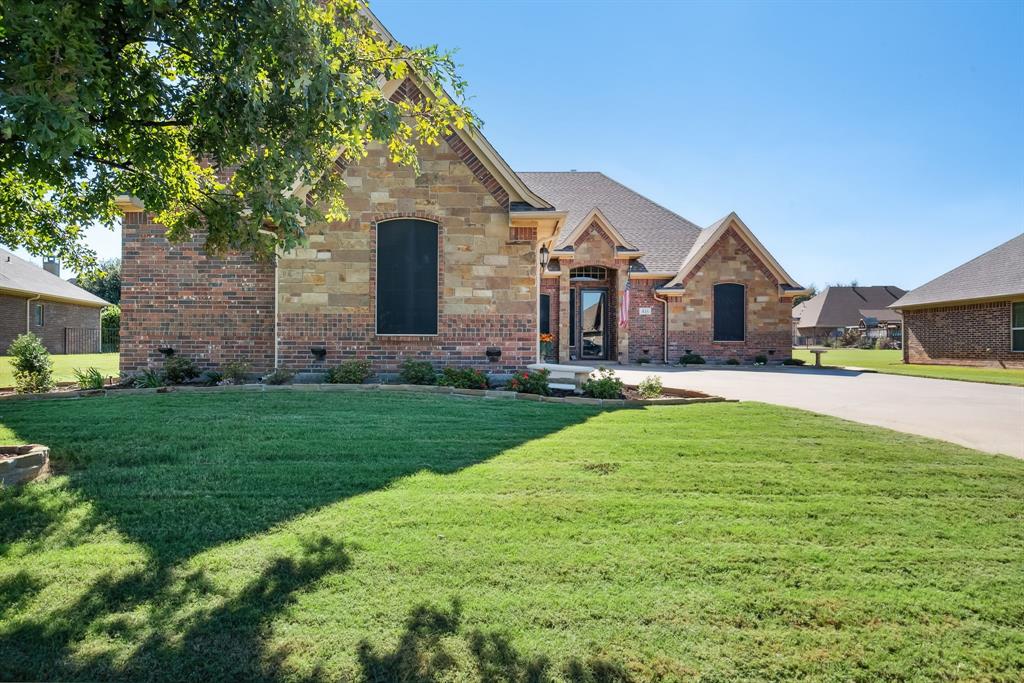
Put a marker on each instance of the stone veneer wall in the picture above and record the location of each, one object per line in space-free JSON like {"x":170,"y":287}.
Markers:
{"x":971,"y":334}
{"x":768,"y":315}
{"x":646,"y":332}
{"x":487,"y":283}
{"x":212,"y":310}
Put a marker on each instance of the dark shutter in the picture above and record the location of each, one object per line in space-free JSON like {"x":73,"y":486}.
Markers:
{"x":572,"y":317}
{"x":545,"y":313}
{"x":730,"y":306}
{"x":407,"y":277}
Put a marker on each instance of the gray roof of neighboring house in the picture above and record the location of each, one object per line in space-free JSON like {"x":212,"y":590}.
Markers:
{"x":885,"y":315}
{"x":28,"y":279}
{"x":798,"y":310}
{"x":996,"y":273}
{"x":841,"y":306}
{"x":665,"y":237}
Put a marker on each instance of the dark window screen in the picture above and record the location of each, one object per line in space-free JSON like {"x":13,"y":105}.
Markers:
{"x":730,"y":302}
{"x":407,"y":277}
{"x":545,"y":313}
{"x":572,"y":317}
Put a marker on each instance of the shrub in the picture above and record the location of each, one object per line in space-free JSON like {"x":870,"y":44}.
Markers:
{"x":212,"y":378}
{"x":89,"y":378}
{"x":417,"y":372}
{"x":760,"y":359}
{"x":643,"y":360}
{"x":178,"y":369}
{"x":278,"y":376}
{"x":733,"y":361}
{"x":32,"y":365}
{"x":236,"y":372}
{"x":691,"y":359}
{"x":463,"y":378}
{"x":605,"y":385}
{"x":149,"y":379}
{"x":650,"y":387}
{"x":350,"y":372}
{"x":883,"y":343}
{"x":530,"y":382}
{"x":793,"y":361}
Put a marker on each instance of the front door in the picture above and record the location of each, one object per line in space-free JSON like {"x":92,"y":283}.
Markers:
{"x":594,"y":324}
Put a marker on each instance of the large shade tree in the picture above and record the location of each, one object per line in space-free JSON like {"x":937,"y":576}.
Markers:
{"x":101,"y":98}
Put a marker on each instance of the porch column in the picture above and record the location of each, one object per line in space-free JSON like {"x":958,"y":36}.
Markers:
{"x":563,"y":314}
{"x":621,"y":333}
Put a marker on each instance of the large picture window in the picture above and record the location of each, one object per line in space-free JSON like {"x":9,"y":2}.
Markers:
{"x":730,"y":312}
{"x":1017,"y":327}
{"x":407,"y":277}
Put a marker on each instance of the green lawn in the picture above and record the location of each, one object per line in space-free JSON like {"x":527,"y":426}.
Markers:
{"x":891,"y":362}
{"x":64,"y":366}
{"x":371,"y":536}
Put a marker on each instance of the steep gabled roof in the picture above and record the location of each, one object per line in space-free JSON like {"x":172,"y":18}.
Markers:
{"x":664,"y":237}
{"x":841,"y":306}
{"x":27,"y":279}
{"x":996,"y":273}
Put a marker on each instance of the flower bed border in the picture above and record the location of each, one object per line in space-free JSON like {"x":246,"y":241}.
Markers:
{"x":20,"y":464}
{"x":493,"y":394}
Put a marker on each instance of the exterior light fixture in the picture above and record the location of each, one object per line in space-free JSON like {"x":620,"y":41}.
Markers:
{"x":545,"y":256}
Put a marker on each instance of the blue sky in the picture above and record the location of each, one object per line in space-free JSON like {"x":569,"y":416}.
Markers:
{"x":882,"y":142}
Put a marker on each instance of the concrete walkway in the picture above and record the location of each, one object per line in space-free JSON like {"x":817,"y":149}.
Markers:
{"x":987,"y":417}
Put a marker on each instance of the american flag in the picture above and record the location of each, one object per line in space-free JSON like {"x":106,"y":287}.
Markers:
{"x":624,"y":308}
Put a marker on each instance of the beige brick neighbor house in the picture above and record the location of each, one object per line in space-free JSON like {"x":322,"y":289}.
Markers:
{"x":444,"y":265}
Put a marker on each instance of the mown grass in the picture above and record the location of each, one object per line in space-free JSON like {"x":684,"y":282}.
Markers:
{"x":891,"y":362}
{"x":316,"y":536}
{"x":64,"y":366}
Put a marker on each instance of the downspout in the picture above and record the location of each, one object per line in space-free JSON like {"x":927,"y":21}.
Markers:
{"x":28,"y":312}
{"x":664,"y":328}
{"x":276,"y":269}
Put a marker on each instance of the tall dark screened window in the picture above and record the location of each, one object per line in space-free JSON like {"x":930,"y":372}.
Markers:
{"x":545,"y":313}
{"x":407,"y":277}
{"x":730,"y":310}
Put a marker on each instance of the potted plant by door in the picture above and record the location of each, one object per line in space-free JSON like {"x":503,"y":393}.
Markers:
{"x":547,"y":347}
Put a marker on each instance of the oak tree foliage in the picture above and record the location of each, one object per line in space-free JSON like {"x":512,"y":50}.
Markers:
{"x":101,"y":98}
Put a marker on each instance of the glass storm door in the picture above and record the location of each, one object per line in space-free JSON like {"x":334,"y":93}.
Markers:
{"x":594,"y":324}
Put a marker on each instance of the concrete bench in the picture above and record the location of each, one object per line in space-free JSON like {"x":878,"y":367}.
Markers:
{"x":576,"y":374}
{"x":817,"y":355}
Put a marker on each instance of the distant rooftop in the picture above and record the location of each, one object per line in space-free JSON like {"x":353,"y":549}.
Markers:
{"x":21,"y":277}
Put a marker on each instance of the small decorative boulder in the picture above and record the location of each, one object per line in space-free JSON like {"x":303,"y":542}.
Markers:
{"x":21,"y":464}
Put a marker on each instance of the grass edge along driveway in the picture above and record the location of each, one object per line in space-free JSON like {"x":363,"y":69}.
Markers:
{"x":891,"y":362}
{"x":285,"y":536}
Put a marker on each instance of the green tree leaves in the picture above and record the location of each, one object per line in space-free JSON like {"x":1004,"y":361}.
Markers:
{"x":211,"y":112}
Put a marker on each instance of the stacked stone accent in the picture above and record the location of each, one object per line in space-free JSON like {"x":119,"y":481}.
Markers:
{"x":970,"y":334}
{"x":22,"y":464}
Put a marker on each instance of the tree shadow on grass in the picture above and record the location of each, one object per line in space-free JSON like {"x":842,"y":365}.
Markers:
{"x":180,"y":474}
{"x":423,"y":656}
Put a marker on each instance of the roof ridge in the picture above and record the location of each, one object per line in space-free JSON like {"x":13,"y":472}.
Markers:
{"x":648,"y":199}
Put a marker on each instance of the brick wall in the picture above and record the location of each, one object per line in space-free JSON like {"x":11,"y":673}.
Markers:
{"x":57,"y":316}
{"x":973,"y":334}
{"x":768,"y":315}
{"x":213,"y":310}
{"x":646,"y":332}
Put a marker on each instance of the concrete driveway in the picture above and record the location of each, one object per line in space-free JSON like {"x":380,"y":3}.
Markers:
{"x":987,"y":417}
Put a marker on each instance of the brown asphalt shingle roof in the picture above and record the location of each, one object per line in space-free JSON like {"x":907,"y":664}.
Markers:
{"x":841,"y":306}
{"x":665,"y":237}
{"x":998,"y":272}
{"x":23,"y":278}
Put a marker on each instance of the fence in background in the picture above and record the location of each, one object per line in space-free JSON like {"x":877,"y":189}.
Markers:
{"x":81,"y":340}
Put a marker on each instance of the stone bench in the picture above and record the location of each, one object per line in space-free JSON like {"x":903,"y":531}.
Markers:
{"x":576,"y":374}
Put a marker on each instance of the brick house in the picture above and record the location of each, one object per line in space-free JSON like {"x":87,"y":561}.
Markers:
{"x":33,"y":299}
{"x":972,"y":315}
{"x":444,"y":266}
{"x":835,"y":309}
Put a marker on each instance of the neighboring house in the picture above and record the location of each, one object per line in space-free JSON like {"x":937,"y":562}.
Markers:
{"x":37,"y":300}
{"x":795,"y":315}
{"x":972,"y":315}
{"x":836,"y":309}
{"x":444,"y":266}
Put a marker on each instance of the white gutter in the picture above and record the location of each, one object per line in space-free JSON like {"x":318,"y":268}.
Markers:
{"x":275,"y":311}
{"x":28,"y":312}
